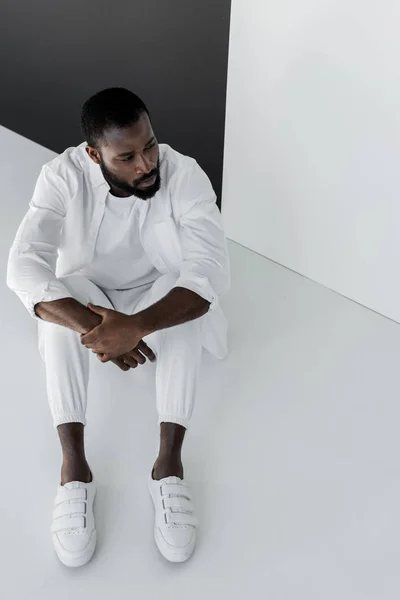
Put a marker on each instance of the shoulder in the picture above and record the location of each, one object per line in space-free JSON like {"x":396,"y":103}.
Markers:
{"x":173,"y":164}
{"x":70,"y":165}
{"x":182,"y":175}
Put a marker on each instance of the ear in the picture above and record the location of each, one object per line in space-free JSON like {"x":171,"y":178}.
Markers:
{"x":94,"y":154}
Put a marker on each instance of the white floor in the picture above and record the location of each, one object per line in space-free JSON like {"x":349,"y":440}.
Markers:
{"x":293,"y":451}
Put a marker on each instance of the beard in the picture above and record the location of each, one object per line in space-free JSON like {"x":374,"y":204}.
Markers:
{"x":132,"y":189}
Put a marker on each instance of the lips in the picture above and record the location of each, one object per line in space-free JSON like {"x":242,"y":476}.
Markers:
{"x":147,"y":182}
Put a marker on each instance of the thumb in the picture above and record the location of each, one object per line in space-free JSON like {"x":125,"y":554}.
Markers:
{"x":100,"y":310}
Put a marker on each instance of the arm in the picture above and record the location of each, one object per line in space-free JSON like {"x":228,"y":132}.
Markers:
{"x":205,"y":267}
{"x":69,"y":313}
{"x":33,"y":256}
{"x":178,"y":306}
{"x":204,"y":271}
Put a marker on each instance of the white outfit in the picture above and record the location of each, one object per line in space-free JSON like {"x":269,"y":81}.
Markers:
{"x":119,"y":261}
{"x":77,"y":240}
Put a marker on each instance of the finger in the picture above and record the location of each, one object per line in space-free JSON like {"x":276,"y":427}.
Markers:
{"x":97,"y":349}
{"x":138,"y":356}
{"x":121,"y":364}
{"x":144,"y":348}
{"x":102,"y":357}
{"x":130,"y":361}
{"x":117,"y":361}
{"x":89,"y":337}
{"x":92,"y":344}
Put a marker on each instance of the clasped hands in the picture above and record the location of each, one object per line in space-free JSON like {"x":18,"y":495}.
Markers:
{"x":118,"y":338}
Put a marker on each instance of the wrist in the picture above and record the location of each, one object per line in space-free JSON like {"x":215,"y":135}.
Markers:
{"x":141,"y":323}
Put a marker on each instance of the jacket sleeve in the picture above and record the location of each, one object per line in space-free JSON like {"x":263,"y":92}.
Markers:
{"x":205,"y":268}
{"x":33,"y":255}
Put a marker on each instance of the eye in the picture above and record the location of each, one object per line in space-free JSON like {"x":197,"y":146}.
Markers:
{"x":146,"y":150}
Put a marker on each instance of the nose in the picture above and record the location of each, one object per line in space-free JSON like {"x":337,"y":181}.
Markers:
{"x":143,"y":165}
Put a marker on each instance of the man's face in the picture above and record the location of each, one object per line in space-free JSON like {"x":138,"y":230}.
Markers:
{"x":129,"y":160}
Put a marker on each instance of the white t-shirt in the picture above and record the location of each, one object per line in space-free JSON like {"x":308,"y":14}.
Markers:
{"x":119,"y":260}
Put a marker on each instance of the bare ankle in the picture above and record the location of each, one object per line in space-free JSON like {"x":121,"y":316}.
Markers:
{"x":75,"y":466}
{"x":75,"y":471}
{"x":166,"y":466}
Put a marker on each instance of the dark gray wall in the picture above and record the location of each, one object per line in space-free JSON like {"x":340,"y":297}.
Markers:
{"x":172,"y":53}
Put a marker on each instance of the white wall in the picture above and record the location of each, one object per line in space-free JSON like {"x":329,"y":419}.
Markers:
{"x":312,"y":149}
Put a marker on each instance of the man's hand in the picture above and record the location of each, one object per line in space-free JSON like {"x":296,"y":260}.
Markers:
{"x":116,"y":335}
{"x":132,"y":359}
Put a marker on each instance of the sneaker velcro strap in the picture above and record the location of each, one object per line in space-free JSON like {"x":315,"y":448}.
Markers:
{"x":68,"y":523}
{"x":181,"y":519}
{"x":177,"y":489}
{"x":180,"y":502}
{"x":69,"y":508}
{"x":74,"y":494}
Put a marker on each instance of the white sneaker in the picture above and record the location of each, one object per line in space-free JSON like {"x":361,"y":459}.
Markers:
{"x":73,"y":529}
{"x":175,"y":524}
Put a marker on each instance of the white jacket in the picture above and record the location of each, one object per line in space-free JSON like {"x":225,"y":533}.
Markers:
{"x":180,"y":229}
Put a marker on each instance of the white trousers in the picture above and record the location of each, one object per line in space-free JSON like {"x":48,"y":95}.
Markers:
{"x":178,"y":350}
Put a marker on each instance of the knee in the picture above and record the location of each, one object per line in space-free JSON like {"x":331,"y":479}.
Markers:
{"x":164,"y":284}
{"x":84,"y":290}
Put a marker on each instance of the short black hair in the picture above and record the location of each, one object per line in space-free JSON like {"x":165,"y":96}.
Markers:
{"x":112,"y":107}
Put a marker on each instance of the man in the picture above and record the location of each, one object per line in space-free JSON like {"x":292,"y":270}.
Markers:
{"x":122,"y":256}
